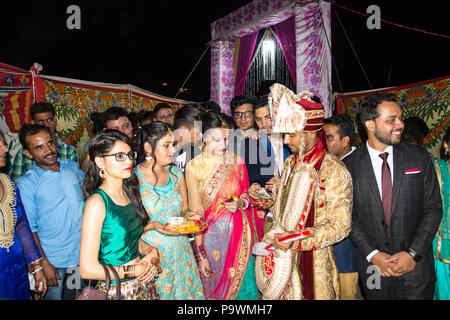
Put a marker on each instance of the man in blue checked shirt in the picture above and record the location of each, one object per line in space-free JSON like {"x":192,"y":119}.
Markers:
{"x":51,"y":194}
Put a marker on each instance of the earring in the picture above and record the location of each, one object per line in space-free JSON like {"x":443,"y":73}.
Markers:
{"x":203,"y":146}
{"x":148,"y":157}
{"x":102,"y":173}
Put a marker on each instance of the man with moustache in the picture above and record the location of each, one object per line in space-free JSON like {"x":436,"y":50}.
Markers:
{"x":397,"y":207}
{"x":312,"y":207}
{"x":51,"y":194}
{"x":43,"y":113}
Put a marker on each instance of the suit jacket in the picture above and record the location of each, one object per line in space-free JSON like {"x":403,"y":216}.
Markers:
{"x":259,"y":158}
{"x":415,"y":216}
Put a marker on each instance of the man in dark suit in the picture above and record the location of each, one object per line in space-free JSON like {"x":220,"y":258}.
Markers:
{"x":396,"y":207}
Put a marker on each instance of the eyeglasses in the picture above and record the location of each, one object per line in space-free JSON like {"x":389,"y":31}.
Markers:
{"x":122,"y":156}
{"x":245,"y":114}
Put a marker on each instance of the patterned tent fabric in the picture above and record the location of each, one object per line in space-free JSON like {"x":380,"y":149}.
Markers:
{"x":15,"y":91}
{"x":428,"y":100}
{"x":74,"y":101}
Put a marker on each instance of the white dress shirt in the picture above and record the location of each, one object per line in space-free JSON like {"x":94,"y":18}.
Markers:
{"x":377,"y":164}
{"x":349,"y":153}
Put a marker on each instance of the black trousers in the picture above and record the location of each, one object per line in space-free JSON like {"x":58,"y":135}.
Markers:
{"x":399,"y":288}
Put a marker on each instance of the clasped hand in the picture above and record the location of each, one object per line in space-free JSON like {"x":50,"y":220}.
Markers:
{"x":148,"y":267}
{"x":394,"y":265}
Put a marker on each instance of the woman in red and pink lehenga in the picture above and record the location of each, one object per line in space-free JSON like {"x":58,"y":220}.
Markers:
{"x":217,"y":183}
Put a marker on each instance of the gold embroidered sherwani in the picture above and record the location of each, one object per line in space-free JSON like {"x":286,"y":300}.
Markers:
{"x":332,"y":199}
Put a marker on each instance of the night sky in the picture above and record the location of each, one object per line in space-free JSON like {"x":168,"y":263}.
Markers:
{"x":148,"y":43}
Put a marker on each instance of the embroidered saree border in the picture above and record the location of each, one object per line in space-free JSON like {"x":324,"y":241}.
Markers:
{"x":242,"y":260}
{"x":8,"y":213}
{"x":214,"y":181}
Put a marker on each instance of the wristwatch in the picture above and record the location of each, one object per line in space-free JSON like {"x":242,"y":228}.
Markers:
{"x":414,"y":255}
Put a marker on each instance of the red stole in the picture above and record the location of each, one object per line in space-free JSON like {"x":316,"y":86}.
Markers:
{"x":306,"y":258}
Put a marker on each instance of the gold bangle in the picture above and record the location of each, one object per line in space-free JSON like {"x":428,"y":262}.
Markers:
{"x":36,"y":261}
{"x":129,"y":271}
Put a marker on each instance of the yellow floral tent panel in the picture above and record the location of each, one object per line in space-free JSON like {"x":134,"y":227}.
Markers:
{"x":75,"y":100}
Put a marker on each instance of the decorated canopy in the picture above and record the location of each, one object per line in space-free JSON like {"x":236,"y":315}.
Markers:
{"x":303,"y":31}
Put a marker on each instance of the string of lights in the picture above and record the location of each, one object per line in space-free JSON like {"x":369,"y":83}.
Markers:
{"x":392,"y":23}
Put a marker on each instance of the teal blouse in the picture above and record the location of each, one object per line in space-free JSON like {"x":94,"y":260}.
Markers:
{"x":122,"y":229}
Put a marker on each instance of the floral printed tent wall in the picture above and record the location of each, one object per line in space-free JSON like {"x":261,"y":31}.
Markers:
{"x":428,"y":100}
{"x":74,"y":101}
{"x":303,"y":31}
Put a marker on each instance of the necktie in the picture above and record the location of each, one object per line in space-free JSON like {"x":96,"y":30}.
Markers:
{"x":386,"y":188}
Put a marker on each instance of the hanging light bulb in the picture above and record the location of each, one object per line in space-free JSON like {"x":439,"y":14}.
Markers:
{"x":268,"y":47}
{"x":268,"y":50}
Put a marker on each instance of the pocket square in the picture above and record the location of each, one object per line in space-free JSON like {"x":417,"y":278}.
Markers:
{"x":412,"y":171}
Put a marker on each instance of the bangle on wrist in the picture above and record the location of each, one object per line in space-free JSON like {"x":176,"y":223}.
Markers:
{"x":36,"y":261}
{"x":129,"y":271}
{"x":246,"y":203}
{"x":36,"y":270}
{"x":200,"y":253}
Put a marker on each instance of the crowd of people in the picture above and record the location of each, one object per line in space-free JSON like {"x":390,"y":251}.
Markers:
{"x":294,"y":209}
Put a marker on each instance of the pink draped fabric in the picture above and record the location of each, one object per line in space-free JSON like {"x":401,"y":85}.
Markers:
{"x":285,"y":32}
{"x":227,"y":231}
{"x":246,"y":48}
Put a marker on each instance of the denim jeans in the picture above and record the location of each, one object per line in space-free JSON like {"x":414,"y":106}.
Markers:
{"x":70,"y":279}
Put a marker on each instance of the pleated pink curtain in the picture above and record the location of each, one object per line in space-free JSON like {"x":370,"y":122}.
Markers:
{"x":285,"y":32}
{"x":244,"y":58}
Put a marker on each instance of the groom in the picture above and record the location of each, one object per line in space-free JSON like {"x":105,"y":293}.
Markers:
{"x":313,"y":201}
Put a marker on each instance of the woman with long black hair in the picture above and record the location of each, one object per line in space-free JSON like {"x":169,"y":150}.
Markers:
{"x":164,"y":195}
{"x":114,"y":219}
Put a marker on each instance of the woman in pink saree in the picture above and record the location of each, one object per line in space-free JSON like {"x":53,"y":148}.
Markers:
{"x":223,"y":251}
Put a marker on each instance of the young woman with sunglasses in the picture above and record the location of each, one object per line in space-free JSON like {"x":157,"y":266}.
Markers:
{"x":114,"y":220}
